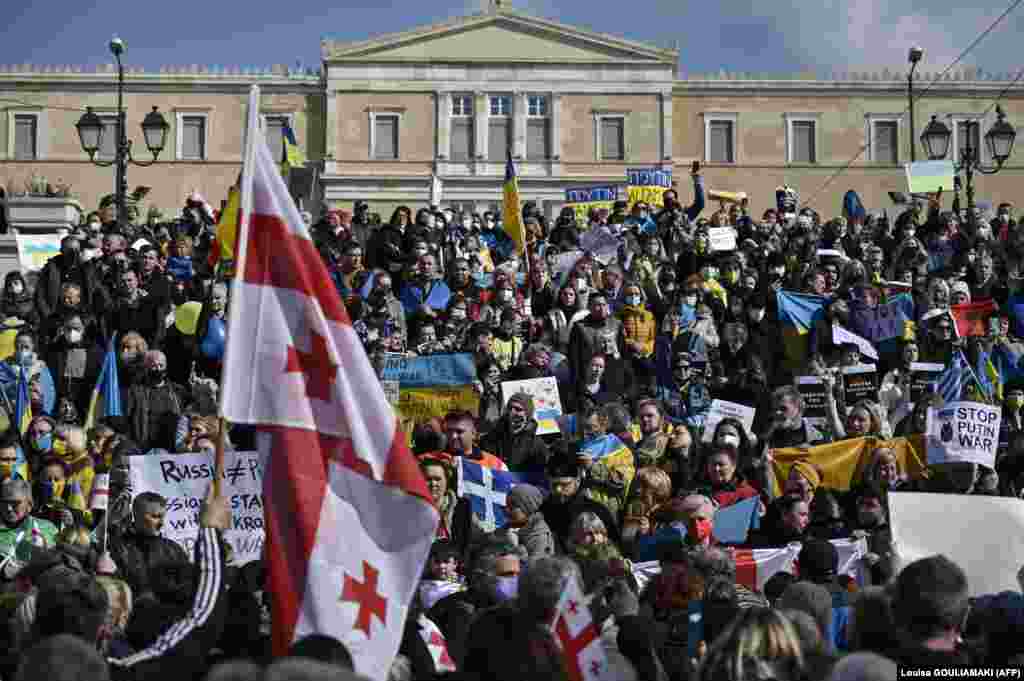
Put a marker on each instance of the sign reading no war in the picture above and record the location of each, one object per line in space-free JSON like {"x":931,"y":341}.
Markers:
{"x":183,"y":479}
{"x":963,"y":432}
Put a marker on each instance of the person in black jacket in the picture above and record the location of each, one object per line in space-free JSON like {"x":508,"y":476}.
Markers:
{"x":388,"y":247}
{"x":60,"y":269}
{"x":567,"y":501}
{"x":514,"y":439}
{"x":17,"y":301}
{"x":141,"y":551}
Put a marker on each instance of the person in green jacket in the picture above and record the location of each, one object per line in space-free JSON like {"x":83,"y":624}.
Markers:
{"x":20,"y":532}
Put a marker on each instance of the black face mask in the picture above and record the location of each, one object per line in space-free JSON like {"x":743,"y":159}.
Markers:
{"x":157,"y":376}
{"x":71,"y":256}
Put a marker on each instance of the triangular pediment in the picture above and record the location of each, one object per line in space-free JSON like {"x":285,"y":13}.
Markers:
{"x":498,"y":37}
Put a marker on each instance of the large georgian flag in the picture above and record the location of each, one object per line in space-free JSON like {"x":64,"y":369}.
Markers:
{"x":348,"y":518}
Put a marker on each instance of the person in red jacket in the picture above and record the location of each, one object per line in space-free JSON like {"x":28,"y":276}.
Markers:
{"x":726,"y":485}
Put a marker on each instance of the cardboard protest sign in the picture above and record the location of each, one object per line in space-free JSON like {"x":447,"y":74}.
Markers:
{"x":922,"y":376}
{"x":34,"y":250}
{"x":721,"y":409}
{"x":648,"y":185}
{"x":183,"y":479}
{"x":928,"y":524}
{"x":813,"y":390}
{"x":965,"y":432}
{"x":721,"y":239}
{"x":547,"y":405}
{"x":841,"y":336}
{"x":860,"y":383}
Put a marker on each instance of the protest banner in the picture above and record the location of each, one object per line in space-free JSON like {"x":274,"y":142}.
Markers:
{"x":928,"y":524}
{"x":923,"y":375}
{"x":721,"y":409}
{"x":971,"y":318}
{"x":812,"y":389}
{"x":547,"y":405}
{"x":860,"y":383}
{"x":843,"y":463}
{"x":34,"y":250}
{"x":928,"y":177}
{"x":432,"y":386}
{"x":721,"y":239}
{"x":585,"y":199}
{"x":562,"y":264}
{"x":184,"y":479}
{"x":841,"y":336}
{"x":885,"y":321}
{"x":963,"y":432}
{"x":648,"y":185}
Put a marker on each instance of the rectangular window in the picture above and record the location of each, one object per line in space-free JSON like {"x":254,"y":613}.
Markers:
{"x":885,"y":147}
{"x":273,"y":128}
{"x":537,"y":106}
{"x":968,"y":133}
{"x":462,"y":105}
{"x":802,"y":140}
{"x":720,"y":147}
{"x":613,"y":142}
{"x":193,"y":138}
{"x":385,"y":136}
{"x":462,"y":139}
{"x":25,"y":137}
{"x":501,"y":105}
{"x":499,"y":138}
{"x":108,"y":143}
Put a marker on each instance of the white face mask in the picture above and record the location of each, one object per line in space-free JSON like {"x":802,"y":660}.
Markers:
{"x":89,"y":253}
{"x":74,"y":335}
{"x":756,"y":315}
{"x":690,"y":300}
{"x":467,"y":224}
{"x":429,"y":221}
{"x":730,"y":440}
{"x":490,"y":224}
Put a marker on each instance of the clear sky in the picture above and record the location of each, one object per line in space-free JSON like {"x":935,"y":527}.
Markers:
{"x":780,"y":36}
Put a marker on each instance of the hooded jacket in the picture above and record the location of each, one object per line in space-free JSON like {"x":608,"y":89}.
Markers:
{"x":522,"y":452}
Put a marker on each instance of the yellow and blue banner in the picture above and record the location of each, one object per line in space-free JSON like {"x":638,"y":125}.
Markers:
{"x":512,"y":212}
{"x":585,"y":199}
{"x":23,"y":405}
{"x":798,"y":313}
{"x":293,"y":156}
{"x":648,"y":185}
{"x":106,"y":396}
{"x":223,"y":249}
{"x":432,"y":386}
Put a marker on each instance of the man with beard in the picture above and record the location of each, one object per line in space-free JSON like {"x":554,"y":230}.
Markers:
{"x":426,"y":294}
{"x":153,"y":405}
{"x":735,"y":349}
{"x":68,"y":267}
{"x":872,"y":521}
{"x":134,"y":310}
{"x":789,"y":428}
{"x":140,"y":551}
{"x":587,"y":335}
{"x":514,"y":439}
{"x":688,"y":398}
{"x":985,"y":285}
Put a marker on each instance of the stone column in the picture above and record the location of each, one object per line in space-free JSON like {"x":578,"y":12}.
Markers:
{"x":667,"y":152}
{"x":519,"y":125}
{"x":444,"y":128}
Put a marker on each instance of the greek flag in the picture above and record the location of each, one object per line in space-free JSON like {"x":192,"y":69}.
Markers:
{"x":487,"y":489}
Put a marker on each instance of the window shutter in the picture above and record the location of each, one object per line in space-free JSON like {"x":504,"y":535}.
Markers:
{"x":24,"y":138}
{"x":803,"y":142}
{"x":611,"y":139}
{"x":886,"y":151}
{"x":537,"y":139}
{"x":497,"y":139}
{"x":386,"y":137}
{"x":108,"y":146}
{"x":462,"y":139}
{"x":192,"y":138}
{"x":720,"y":134}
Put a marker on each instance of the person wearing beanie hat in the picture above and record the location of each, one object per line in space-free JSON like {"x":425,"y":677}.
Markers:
{"x":804,"y":478}
{"x":567,"y":500}
{"x":514,"y":438}
{"x":818,"y":563}
{"x":959,"y":293}
{"x":524,"y":520}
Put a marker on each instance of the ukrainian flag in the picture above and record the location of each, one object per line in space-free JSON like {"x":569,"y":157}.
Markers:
{"x":106,"y":396}
{"x":512,"y":214}
{"x":23,"y":405}
{"x":798,"y":312}
{"x":293,"y":156}
{"x":604,"y":447}
{"x":223,"y":249}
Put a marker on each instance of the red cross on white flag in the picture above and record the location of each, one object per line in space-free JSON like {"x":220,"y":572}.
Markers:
{"x":338,"y":473}
{"x":579,"y":636}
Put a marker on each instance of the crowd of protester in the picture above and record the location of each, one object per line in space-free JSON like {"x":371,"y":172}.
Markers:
{"x":641,"y":338}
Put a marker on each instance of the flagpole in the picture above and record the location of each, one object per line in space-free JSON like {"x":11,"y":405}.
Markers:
{"x":244,"y":216}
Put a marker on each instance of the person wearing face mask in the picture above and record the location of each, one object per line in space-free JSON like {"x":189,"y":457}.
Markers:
{"x":154,"y":405}
{"x":514,"y":439}
{"x":18,"y":305}
{"x":985,"y":284}
{"x":387,"y":248}
{"x":26,"y":359}
{"x":586,"y":337}
{"x":638,"y":331}
{"x":66,"y":267}
{"x":21,"y":534}
{"x":75,"y":359}
{"x":508,"y":342}
{"x":496,"y":240}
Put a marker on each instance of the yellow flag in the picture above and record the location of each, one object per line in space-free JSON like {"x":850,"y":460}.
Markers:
{"x":512,"y":213}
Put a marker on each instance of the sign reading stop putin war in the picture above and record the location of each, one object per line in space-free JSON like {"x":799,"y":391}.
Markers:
{"x":963,"y":432}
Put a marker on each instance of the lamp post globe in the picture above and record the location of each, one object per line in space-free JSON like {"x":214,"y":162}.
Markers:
{"x":1000,"y":138}
{"x":935,"y":139}
{"x":154,"y":129}
{"x":90,"y":131}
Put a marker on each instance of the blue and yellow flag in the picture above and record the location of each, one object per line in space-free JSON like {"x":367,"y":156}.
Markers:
{"x":512,"y":214}
{"x":23,"y":405}
{"x":293,"y":156}
{"x":798,"y":312}
{"x":106,"y":396}
{"x":222,"y":251}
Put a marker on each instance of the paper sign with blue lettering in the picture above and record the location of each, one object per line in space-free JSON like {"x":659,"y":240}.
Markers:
{"x":588,"y":194}
{"x":648,"y":185}
{"x":547,"y":405}
{"x":963,"y":432}
{"x":884,"y":322}
{"x":430,"y":371}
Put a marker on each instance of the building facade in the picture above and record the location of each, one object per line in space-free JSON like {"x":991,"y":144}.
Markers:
{"x":431,"y":114}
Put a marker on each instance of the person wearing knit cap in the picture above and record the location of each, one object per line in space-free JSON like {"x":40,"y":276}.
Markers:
{"x":567,"y":500}
{"x":524,"y":519}
{"x":514,"y":438}
{"x":959,"y":293}
{"x":804,"y":478}
{"x":818,"y":563}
